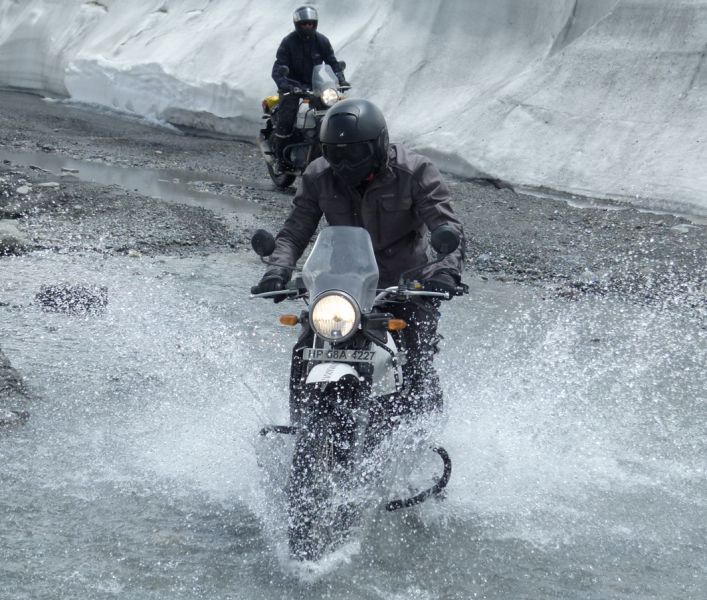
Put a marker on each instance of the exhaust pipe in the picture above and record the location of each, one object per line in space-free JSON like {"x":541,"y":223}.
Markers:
{"x":266,"y":150}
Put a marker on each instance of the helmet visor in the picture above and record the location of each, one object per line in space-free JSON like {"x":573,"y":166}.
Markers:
{"x":352,"y":154}
{"x":305,"y":13}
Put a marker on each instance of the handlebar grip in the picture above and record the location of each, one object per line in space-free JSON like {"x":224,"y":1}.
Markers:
{"x":273,"y":294}
{"x":462,"y":289}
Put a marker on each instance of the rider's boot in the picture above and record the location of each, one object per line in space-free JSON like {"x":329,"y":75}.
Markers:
{"x":278,"y":142}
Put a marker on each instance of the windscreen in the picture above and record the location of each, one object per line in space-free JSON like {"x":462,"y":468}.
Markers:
{"x":342,"y":259}
{"x":323,"y":78}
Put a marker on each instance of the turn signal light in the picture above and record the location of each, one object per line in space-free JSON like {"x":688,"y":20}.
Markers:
{"x":290,"y":320}
{"x":396,"y":324}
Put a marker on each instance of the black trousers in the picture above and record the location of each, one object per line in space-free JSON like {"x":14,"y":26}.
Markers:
{"x":286,"y":114}
{"x":421,"y":391}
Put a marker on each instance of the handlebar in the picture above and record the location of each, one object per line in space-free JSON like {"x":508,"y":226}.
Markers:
{"x":300,"y":92}
{"x":305,"y":93}
{"x":295,"y":290}
{"x":274,"y":294}
{"x":397,"y":290}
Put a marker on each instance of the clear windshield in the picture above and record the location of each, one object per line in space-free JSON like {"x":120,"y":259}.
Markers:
{"x":323,"y":78}
{"x":342,"y":259}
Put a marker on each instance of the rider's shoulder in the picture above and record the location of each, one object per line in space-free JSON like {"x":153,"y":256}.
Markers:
{"x":291,"y":38}
{"x":318,"y":168}
{"x":403,"y":158}
{"x":321,"y":38}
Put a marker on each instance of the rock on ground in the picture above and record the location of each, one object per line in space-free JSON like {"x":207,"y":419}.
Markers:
{"x":13,"y":394}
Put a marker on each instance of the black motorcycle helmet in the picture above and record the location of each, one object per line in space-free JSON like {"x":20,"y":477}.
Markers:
{"x":354,"y":138}
{"x":305,"y":15}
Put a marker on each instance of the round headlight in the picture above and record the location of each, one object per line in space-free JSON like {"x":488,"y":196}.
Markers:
{"x":330,"y":97}
{"x":334,"y":317}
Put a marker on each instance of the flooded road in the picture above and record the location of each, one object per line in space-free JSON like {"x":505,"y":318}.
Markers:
{"x":577,"y":431}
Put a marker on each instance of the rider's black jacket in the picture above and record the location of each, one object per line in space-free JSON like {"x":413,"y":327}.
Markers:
{"x":300,"y":55}
{"x":405,"y":200}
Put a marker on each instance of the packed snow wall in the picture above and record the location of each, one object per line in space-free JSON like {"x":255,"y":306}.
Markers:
{"x":593,"y":97}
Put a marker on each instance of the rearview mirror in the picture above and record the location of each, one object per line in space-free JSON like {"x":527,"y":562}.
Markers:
{"x":263,"y":243}
{"x":445,"y":239}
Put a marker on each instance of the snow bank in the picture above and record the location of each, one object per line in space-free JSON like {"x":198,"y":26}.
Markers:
{"x":593,"y":97}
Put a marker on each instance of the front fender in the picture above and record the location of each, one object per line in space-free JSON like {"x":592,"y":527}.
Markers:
{"x":330,"y":372}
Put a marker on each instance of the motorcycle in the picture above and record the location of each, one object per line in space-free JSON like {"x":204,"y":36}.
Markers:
{"x":351,"y":374}
{"x":304,"y":145}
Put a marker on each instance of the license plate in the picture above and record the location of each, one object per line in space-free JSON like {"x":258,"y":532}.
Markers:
{"x":337,"y":355}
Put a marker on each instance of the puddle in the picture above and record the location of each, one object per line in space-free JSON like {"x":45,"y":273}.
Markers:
{"x":170,"y":185}
{"x":576,"y":201}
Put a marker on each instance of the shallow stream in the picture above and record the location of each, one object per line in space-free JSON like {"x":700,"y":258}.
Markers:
{"x":577,"y":429}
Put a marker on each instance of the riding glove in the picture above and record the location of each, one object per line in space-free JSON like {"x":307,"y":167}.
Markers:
{"x":342,"y":80}
{"x":441,"y":281}
{"x":291,"y":87}
{"x":275,"y":279}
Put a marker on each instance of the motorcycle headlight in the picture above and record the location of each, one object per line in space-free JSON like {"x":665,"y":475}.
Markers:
{"x":330,"y":97}
{"x":334,"y":316}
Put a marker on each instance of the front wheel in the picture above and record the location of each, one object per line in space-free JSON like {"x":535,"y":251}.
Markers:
{"x":281,"y":180}
{"x":317,"y":521}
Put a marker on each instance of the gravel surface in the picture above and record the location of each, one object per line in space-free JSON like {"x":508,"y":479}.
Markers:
{"x":572,"y":252}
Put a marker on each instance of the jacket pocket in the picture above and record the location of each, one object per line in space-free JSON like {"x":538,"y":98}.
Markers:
{"x":394,"y":203}
{"x":395,"y":218}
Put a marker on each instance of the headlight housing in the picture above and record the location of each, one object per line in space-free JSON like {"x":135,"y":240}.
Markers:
{"x":335,"y":316}
{"x":330,"y":97}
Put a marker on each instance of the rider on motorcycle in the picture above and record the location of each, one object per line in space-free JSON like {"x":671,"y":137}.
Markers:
{"x":299,"y":52}
{"x":397,"y":196}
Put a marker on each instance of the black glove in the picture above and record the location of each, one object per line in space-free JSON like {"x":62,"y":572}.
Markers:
{"x":442,"y":281}
{"x":342,"y":80}
{"x":290,"y":87}
{"x":273,"y":280}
